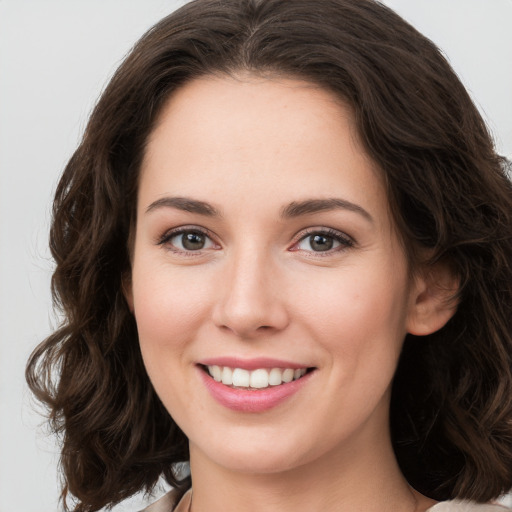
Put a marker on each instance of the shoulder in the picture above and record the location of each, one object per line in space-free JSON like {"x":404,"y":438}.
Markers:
{"x":467,"y":506}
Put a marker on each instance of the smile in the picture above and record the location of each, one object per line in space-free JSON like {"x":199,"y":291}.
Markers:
{"x":256,"y":379}
{"x":253,"y":386}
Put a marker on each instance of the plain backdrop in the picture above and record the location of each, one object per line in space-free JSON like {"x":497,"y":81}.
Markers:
{"x":55,"y":58}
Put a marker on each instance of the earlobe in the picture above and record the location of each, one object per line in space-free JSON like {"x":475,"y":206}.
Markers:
{"x":128,"y":290}
{"x":433,"y":300}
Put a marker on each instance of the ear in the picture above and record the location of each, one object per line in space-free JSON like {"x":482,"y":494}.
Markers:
{"x":128,"y":289}
{"x":433,"y":299}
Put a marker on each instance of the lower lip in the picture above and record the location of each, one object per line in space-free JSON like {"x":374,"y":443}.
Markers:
{"x":252,"y":400}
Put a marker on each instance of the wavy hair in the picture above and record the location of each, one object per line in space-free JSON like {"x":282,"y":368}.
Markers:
{"x":451,"y":410}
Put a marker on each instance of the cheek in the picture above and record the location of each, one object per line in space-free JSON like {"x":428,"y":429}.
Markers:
{"x":168,"y":307}
{"x":358,"y":314}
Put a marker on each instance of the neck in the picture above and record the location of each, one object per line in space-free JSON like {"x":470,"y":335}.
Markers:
{"x":349,"y":480}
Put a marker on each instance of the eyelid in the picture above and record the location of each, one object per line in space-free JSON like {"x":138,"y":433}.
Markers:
{"x":342,"y":238}
{"x":163,"y":239}
{"x":346,"y":241}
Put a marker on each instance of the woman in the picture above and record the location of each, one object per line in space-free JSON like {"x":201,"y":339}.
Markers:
{"x":283,"y":254}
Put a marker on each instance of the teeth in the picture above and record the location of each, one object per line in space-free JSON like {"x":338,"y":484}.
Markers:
{"x":259,"y":379}
{"x":241,"y":378}
{"x":256,"y":379}
{"x":216,"y":372}
{"x":288,"y":375}
{"x":227,"y":376}
{"x":275,"y":377}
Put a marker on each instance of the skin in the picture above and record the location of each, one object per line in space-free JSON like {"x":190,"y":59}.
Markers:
{"x":249,"y":147}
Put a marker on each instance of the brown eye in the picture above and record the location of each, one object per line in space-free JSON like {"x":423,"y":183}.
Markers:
{"x":192,"y":241}
{"x":188,"y":241}
{"x":321,"y":242}
{"x":324,"y":241}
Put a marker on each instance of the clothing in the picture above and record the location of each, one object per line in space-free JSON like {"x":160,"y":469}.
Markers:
{"x":466,"y":506}
{"x":166,"y":504}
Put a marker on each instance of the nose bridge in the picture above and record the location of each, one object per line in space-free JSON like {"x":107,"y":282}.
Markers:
{"x":251,"y":302}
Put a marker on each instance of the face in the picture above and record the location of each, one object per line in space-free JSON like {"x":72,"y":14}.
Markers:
{"x":269,"y":287}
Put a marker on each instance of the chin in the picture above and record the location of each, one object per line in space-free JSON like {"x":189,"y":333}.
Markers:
{"x":258,"y":463}
{"x":264,"y":457}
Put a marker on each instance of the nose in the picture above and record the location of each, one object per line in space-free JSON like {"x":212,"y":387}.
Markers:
{"x":251,"y":302}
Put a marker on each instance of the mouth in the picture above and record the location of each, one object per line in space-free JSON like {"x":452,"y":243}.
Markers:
{"x":260,"y":378}
{"x":253,"y":385}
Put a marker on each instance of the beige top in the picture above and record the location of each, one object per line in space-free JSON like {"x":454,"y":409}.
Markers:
{"x":466,"y":506}
{"x":166,"y":504}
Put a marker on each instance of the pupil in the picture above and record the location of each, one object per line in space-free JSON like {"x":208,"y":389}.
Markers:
{"x":321,"y":243}
{"x":192,"y":241}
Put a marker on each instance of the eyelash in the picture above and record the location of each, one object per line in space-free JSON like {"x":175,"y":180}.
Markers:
{"x":165,"y":239}
{"x":345,"y":242}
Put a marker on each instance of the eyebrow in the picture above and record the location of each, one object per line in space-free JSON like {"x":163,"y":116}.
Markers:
{"x":308,"y":206}
{"x":292,"y":210}
{"x":185,"y":204}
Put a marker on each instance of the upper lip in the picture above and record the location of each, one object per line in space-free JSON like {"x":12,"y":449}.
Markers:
{"x":251,"y":364}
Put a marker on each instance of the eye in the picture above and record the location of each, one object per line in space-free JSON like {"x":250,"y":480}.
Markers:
{"x":187,"y":240}
{"x":323,"y":241}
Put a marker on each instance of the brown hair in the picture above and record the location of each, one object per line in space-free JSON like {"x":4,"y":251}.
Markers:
{"x":451,"y":411}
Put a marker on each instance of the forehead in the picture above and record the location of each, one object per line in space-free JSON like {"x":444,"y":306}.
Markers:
{"x":251,"y":134}
{"x":257,"y":107}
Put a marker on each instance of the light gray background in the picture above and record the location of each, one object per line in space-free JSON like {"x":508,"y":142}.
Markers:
{"x":55,"y":58}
